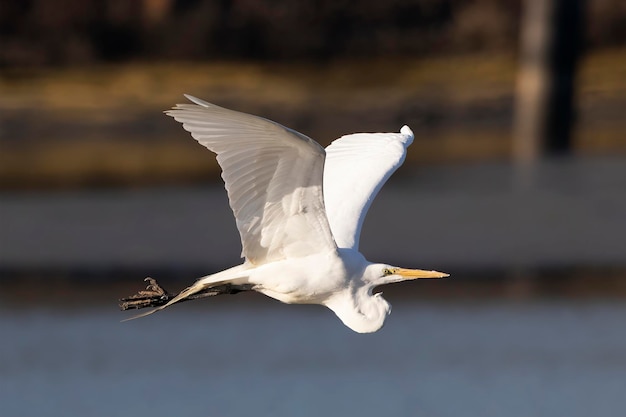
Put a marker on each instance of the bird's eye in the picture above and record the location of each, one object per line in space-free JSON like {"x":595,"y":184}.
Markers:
{"x":387,"y":271}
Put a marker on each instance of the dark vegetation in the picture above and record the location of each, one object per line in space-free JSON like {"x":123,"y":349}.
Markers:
{"x":68,"y":32}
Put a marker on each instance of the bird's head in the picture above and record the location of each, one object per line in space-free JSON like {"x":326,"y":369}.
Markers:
{"x":381,"y":274}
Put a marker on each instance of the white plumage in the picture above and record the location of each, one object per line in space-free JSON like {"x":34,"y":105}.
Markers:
{"x":358,"y":166}
{"x":299,"y":211}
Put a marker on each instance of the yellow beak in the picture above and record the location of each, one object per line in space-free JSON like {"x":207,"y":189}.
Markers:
{"x":418,"y":273}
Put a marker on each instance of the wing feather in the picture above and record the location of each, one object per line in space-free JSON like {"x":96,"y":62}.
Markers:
{"x":273,"y":176}
{"x":357,"y":166}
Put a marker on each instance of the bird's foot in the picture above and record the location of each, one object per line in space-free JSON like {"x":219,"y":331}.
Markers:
{"x":153,"y":296}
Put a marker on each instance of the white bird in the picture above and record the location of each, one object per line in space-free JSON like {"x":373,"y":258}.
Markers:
{"x":299,"y":210}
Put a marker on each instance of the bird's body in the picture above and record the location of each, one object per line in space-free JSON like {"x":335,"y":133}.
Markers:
{"x":299,"y":210}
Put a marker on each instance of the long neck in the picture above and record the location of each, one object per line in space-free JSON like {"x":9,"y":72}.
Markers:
{"x":360,"y":310}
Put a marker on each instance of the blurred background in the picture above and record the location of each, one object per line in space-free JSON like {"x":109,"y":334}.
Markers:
{"x":515,"y":184}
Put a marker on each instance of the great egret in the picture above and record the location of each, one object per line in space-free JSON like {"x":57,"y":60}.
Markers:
{"x":299,"y":210}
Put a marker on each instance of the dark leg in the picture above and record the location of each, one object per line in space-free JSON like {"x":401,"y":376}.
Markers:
{"x":154,"y":295}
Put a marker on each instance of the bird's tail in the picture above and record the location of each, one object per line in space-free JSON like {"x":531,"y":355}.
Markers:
{"x":232,"y":276}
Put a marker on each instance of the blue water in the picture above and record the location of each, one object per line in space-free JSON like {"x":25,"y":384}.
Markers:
{"x":565,"y":358}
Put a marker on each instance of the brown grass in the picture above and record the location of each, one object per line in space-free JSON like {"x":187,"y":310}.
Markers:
{"x":102,"y":126}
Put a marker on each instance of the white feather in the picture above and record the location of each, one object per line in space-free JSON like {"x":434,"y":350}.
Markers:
{"x":357,"y":166}
{"x":273,"y":176}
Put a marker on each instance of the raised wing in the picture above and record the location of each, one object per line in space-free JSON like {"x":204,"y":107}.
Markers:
{"x":357,"y":166}
{"x":273,"y":177}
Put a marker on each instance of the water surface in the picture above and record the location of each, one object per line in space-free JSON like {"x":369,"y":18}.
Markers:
{"x":489,"y":358}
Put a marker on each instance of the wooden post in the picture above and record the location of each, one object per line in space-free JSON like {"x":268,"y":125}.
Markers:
{"x":550,"y":45}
